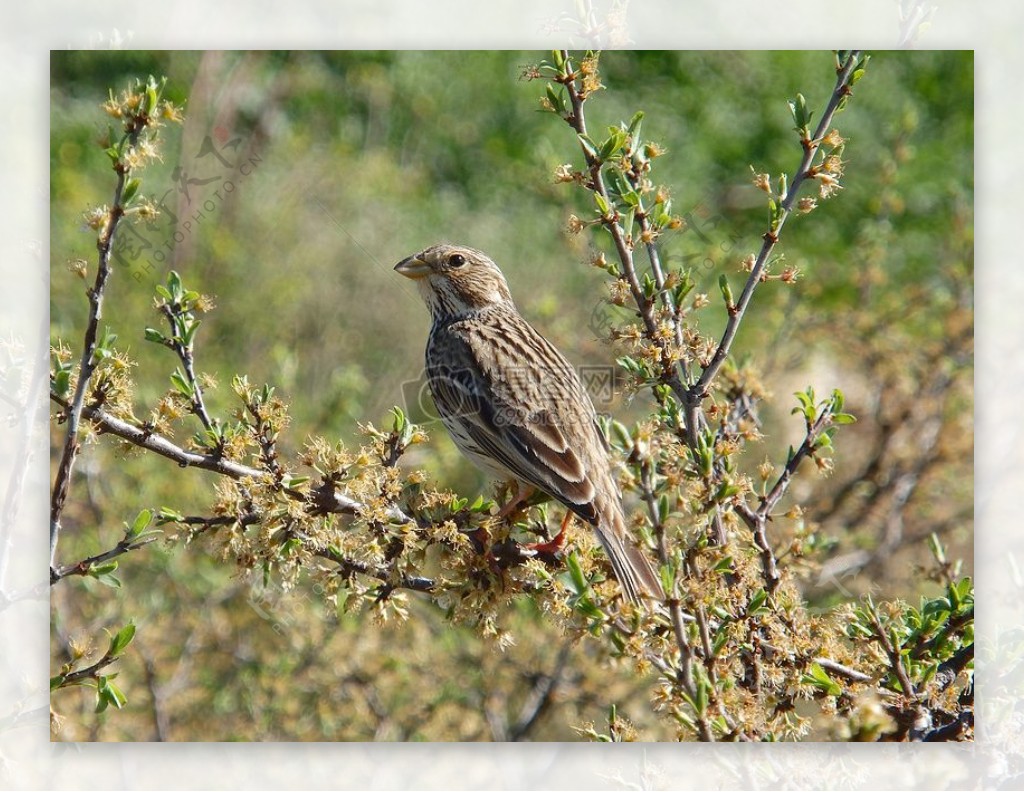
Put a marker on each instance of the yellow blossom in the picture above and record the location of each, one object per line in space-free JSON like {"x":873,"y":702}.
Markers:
{"x":833,"y":139}
{"x":652,"y":150}
{"x":829,"y":185}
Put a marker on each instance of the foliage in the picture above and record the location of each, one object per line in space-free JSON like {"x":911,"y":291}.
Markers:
{"x":747,"y":646}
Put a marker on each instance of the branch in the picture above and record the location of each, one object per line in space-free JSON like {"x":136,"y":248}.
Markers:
{"x":702,"y":387}
{"x":158,"y":444}
{"x":184,"y":351}
{"x":950,"y":669}
{"x":895,"y":661}
{"x":91,"y":672}
{"x":539,"y":698}
{"x":87,"y":364}
{"x":806,"y":449}
{"x":841,"y":670}
{"x":675,"y":605}
{"x":84,"y":567}
{"x":577,"y":121}
{"x":347,"y":566}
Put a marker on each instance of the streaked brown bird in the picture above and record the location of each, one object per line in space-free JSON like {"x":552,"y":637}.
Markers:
{"x":514,"y":405}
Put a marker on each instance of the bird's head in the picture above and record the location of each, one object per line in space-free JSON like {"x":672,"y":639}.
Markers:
{"x":455,"y":280}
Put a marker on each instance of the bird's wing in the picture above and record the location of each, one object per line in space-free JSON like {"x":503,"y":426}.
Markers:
{"x":521,"y":403}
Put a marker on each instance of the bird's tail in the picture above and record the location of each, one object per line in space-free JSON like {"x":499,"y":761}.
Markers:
{"x":637,"y":576}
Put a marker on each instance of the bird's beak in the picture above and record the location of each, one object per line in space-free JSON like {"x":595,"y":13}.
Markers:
{"x":413,"y":267}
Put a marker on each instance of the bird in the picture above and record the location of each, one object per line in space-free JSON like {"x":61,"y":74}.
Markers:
{"x":515,"y":406}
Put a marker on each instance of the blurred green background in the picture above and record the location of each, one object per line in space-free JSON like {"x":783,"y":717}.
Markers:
{"x":300,"y":178}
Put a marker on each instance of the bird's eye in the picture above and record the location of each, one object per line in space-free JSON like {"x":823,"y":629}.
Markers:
{"x":456,"y":260}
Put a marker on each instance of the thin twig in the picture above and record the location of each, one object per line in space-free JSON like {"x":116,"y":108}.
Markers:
{"x":90,"y":672}
{"x":703,"y":385}
{"x":538,"y":701}
{"x":578,"y":122}
{"x":347,"y":566}
{"x":158,"y":444}
{"x":672,"y":601}
{"x":806,"y":449}
{"x":186,"y":355}
{"x":895,"y":660}
{"x":87,"y":364}
{"x":842,"y":670}
{"x":84,"y":567}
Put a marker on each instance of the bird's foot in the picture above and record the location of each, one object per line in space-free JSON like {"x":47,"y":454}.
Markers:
{"x":552,"y":546}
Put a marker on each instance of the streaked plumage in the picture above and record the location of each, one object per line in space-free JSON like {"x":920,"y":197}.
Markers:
{"x":514,"y":405}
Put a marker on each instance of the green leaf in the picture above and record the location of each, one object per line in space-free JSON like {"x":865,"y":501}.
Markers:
{"x":174,"y":286}
{"x":579,"y":580}
{"x":700,"y":703}
{"x":152,"y":97}
{"x":103,"y":569}
{"x":838,"y":399}
{"x":131,"y":188}
{"x":859,"y":72}
{"x":664,"y":508}
{"x":620,"y":434}
{"x":556,"y":99}
{"x":154,"y":335}
{"x":667,"y":573}
{"x":723,"y":284}
{"x":166,"y":515}
{"x":191,"y":332}
{"x":108,"y":580}
{"x":62,"y":382}
{"x":616,"y":139}
{"x":181,"y":384}
{"x":634,"y":126}
{"x":588,"y":147}
{"x":140,"y":524}
{"x":108,"y":693}
{"x":819,"y":678}
{"x":757,"y":601}
{"x":120,"y":641}
{"x":842,"y":419}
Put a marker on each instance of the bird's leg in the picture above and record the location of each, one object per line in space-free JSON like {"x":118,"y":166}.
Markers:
{"x":552,"y":546}
{"x":523,"y":493}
